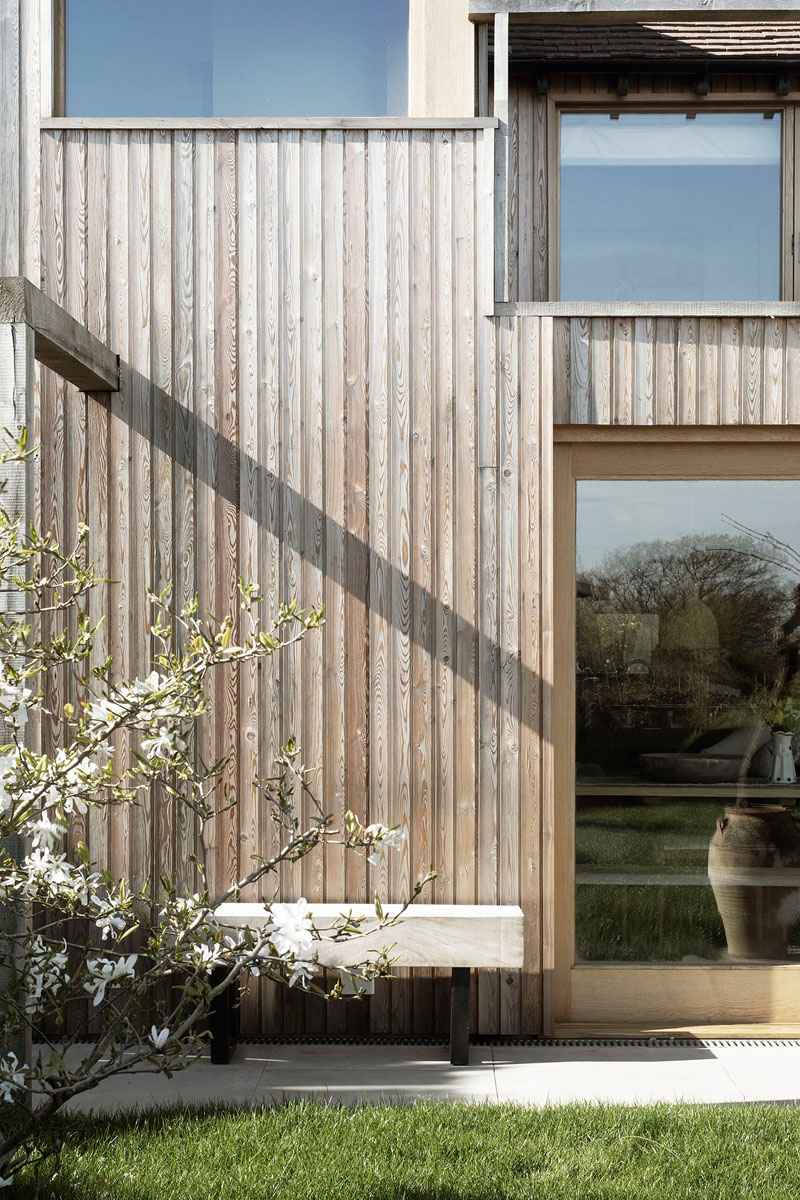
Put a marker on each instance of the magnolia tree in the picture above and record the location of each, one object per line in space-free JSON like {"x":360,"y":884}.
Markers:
{"x":148,"y":960}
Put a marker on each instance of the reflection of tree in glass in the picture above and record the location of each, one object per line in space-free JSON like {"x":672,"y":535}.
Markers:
{"x":688,"y":624}
{"x":746,"y":595}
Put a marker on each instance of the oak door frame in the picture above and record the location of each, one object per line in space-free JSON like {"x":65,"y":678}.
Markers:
{"x":606,"y":996}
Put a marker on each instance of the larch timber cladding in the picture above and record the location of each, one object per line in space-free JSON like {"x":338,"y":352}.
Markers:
{"x":676,"y":370}
{"x":310,"y":400}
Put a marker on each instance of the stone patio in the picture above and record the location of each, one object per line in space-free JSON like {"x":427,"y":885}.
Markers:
{"x":712,"y":1073}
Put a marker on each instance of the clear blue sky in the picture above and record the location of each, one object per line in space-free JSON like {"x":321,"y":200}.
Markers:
{"x":237,"y":58}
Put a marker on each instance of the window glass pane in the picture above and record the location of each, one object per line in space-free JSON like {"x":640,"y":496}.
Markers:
{"x":670,"y":206}
{"x":236,"y":58}
{"x":678,"y":601}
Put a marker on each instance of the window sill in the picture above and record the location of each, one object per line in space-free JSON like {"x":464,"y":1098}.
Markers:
{"x":649,"y":308}
{"x":269,"y":123}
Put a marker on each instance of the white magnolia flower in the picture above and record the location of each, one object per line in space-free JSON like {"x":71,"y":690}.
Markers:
{"x":110,"y":920}
{"x":164,"y":745}
{"x":45,"y":833}
{"x":302,"y":971}
{"x":105,"y":971}
{"x":12,"y":1077}
{"x":47,"y":972}
{"x":104,"y":711}
{"x":13,"y":702}
{"x":292,"y":934}
{"x":7,"y":765}
{"x":158,"y":1036}
{"x":383,"y":837}
{"x":206,"y":954}
{"x":51,"y":869}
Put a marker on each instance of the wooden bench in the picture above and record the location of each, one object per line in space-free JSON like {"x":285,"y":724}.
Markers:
{"x":458,"y":936}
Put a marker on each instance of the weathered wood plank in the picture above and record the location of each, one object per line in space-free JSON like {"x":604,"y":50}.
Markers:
{"x":526,"y":193}
{"x":248,"y":340}
{"x":773,"y":408}
{"x":358,"y":690}
{"x":623,"y":377}
{"x":381,"y":484}
{"x":334,"y":635}
{"x":530,"y":501}
{"x":488,"y":659}
{"x":580,"y":371}
{"x":420,"y":814}
{"x":75,"y":453}
{"x":97,"y":427}
{"x":540,"y":289}
{"x":10,"y":99}
{"x":313,"y":492}
{"x":399,"y":865}
{"x":602,"y":359}
{"x":665,"y":372}
{"x":708,"y":367}
{"x":183,"y":398}
{"x":687,"y":371}
{"x":226,"y":389}
{"x":443,"y":935}
{"x":644,"y":371}
{"x":509,"y":657}
{"x":271,"y":500}
{"x":119,"y":440}
{"x":444,"y":535}
{"x":163,"y":453}
{"x":140,"y":263}
{"x":205,"y":426}
{"x":467,"y":476}
{"x":752,"y":371}
{"x":730,"y":372}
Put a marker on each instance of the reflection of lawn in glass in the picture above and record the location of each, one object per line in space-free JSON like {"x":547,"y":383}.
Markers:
{"x":631,"y":922}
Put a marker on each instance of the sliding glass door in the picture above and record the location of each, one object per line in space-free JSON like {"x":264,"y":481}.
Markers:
{"x":676,"y":796}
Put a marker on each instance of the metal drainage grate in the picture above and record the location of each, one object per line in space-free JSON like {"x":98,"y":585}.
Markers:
{"x":509,"y":1040}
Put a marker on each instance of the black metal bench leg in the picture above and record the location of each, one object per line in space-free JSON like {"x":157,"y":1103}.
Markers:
{"x":223,"y":1020}
{"x":459,"y":1016}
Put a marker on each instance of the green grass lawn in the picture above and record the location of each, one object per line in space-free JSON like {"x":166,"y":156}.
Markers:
{"x":431,"y":1150}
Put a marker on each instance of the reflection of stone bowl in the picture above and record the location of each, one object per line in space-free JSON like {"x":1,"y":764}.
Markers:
{"x":690,"y":768}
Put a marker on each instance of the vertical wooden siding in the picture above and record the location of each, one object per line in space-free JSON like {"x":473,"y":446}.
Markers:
{"x":670,"y":370}
{"x":310,"y":399}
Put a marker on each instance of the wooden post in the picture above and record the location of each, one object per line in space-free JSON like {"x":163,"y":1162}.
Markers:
{"x":482,"y":70}
{"x":459,"y":1016}
{"x":501,"y":157}
{"x":223,"y":1020}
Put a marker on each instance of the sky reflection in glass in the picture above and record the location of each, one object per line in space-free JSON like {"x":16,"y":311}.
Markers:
{"x":658,"y":206}
{"x":615,"y":514}
{"x":237,"y":58}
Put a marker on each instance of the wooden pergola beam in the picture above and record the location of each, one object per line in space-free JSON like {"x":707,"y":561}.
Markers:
{"x":60,"y":342}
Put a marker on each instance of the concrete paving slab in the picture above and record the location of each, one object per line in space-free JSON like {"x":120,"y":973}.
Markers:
{"x":535,"y":1075}
{"x":612,"y":1074}
{"x":351,"y":1074}
{"x":763,"y":1073}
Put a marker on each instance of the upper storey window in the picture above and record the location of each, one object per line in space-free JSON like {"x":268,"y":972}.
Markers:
{"x":670,"y":206}
{"x":236,"y":58}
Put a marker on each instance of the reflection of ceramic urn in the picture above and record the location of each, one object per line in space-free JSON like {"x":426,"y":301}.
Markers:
{"x":754,"y":870}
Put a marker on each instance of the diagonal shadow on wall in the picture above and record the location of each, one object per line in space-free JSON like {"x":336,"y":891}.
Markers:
{"x":497,"y":672}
